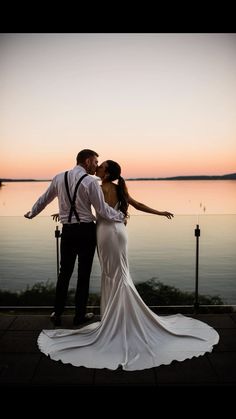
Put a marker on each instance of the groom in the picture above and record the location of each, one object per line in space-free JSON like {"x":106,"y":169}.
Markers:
{"x":76,"y":192}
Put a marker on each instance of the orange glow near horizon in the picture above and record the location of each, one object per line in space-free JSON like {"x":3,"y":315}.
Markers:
{"x":134,"y":160}
{"x":129,"y":169}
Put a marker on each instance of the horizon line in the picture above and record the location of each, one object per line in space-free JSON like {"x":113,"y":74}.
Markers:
{"x":178,"y":177}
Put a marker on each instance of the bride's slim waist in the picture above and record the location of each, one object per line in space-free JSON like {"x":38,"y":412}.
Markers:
{"x":101,"y":221}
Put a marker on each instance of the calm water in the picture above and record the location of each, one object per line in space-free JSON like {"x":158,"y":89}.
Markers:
{"x":180,"y":197}
{"x":160,"y":248}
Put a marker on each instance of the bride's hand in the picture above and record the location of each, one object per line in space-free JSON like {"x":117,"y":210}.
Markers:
{"x":55,"y":217}
{"x":168,"y":214}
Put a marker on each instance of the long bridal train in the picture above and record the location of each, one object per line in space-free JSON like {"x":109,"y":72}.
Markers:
{"x":129,"y":334}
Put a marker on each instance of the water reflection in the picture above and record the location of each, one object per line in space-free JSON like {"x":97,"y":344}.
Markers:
{"x":180,"y":197}
{"x":158,"y":248}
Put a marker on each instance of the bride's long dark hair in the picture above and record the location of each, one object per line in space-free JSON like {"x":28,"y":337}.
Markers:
{"x":114,"y":171}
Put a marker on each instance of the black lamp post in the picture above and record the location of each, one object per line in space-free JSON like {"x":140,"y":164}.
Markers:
{"x":197,"y":235}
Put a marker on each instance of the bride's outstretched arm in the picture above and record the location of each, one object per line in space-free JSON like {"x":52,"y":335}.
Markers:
{"x":144,"y":208}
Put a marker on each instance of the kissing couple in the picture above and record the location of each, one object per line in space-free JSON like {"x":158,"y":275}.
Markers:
{"x":129,"y":334}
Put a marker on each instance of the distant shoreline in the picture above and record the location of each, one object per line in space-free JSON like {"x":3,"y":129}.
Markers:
{"x":231,"y":176}
{"x":24,"y":180}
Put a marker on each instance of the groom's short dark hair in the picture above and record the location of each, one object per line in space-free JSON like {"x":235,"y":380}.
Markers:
{"x":85,"y":154}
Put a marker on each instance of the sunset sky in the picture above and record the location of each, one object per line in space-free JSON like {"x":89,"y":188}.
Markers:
{"x":159,"y":104}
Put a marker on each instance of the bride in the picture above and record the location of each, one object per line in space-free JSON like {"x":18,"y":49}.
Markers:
{"x":129,"y":335}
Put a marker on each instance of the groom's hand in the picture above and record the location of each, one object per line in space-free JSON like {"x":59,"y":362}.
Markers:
{"x":55,"y":217}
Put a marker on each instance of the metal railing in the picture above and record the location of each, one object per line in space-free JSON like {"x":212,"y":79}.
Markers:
{"x":196,"y":306}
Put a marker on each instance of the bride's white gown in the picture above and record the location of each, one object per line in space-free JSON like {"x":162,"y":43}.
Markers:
{"x":129,"y":334}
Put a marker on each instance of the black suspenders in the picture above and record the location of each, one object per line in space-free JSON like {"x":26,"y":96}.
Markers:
{"x":72,"y":201}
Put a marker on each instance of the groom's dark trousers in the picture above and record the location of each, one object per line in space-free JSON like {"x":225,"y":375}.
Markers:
{"x":77,"y":240}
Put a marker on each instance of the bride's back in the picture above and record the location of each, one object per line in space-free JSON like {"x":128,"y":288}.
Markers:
{"x":110,"y":193}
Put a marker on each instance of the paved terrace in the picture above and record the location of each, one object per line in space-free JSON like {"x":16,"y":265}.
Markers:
{"x":23,"y":365}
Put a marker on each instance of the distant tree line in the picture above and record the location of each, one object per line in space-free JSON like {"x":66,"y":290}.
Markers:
{"x":153,"y":292}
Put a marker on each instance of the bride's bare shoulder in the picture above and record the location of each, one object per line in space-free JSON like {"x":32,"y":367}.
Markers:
{"x":109,"y":187}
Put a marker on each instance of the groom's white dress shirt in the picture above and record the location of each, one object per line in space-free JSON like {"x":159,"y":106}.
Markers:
{"x":89,"y":193}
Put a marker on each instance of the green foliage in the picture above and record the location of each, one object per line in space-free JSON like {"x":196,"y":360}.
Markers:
{"x":153,"y":292}
{"x":94,"y":300}
{"x":39,"y":294}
